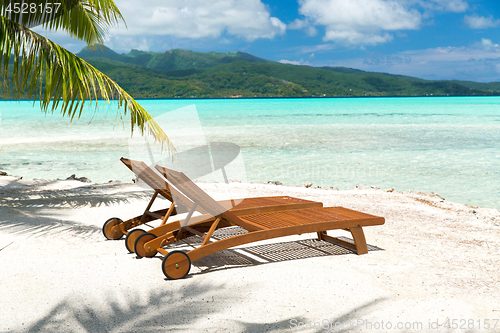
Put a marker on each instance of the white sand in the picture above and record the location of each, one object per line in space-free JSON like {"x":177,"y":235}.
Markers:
{"x":436,"y":260}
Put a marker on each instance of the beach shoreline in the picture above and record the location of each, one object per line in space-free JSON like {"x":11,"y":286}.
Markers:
{"x":432,"y":259}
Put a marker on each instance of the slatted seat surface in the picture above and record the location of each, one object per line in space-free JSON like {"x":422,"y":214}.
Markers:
{"x":283,"y":219}
{"x":262,"y":202}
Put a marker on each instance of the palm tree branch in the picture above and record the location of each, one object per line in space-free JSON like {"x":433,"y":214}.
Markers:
{"x":69,"y":80}
{"x":87,"y":20}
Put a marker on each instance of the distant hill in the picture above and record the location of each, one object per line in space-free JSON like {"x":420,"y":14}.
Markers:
{"x":188,"y":74}
{"x":491,"y":86}
{"x":171,"y":60}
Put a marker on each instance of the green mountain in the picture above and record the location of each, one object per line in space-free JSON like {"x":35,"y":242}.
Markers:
{"x":491,"y":86}
{"x":171,"y":60}
{"x":188,"y":74}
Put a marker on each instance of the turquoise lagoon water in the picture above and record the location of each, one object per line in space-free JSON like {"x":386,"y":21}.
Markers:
{"x":448,"y":145}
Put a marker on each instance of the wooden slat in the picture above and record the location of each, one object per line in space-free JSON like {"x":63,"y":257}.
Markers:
{"x":237,"y":205}
{"x":270,"y":204}
{"x":289,"y":218}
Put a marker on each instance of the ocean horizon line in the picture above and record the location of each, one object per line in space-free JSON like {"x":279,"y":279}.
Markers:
{"x":270,"y":97}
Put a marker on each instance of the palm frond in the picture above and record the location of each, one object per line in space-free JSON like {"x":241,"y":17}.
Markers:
{"x":69,"y":80}
{"x":87,"y":20}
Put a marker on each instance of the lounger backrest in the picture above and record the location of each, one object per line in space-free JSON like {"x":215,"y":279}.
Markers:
{"x":196,"y":194}
{"x":203,"y":200}
{"x":159,"y":184}
{"x":147,"y":175}
{"x":191,"y":190}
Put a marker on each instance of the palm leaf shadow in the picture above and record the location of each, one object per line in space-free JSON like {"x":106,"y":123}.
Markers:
{"x":322,"y":326}
{"x":176,"y":309}
{"x":351,"y":321}
{"x":88,"y":196}
{"x":23,"y":215}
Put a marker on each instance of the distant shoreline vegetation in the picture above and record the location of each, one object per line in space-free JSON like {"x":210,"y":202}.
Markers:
{"x":183,"y":74}
{"x":270,"y":97}
{"x":254,"y":98}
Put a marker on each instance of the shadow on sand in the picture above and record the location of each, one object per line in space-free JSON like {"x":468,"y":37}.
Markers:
{"x":23,"y":208}
{"x":187,"y":309}
{"x":175,"y":310}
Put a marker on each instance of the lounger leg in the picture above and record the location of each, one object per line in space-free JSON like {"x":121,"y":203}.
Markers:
{"x":357,"y":235}
{"x":211,"y":231}
{"x":167,"y":215}
{"x":359,"y":239}
{"x":149,"y":206}
{"x":323,"y":236}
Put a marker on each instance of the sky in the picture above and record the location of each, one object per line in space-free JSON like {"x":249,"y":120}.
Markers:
{"x":430,"y":39}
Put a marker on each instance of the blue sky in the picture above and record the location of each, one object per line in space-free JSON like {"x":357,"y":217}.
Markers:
{"x":431,"y":39}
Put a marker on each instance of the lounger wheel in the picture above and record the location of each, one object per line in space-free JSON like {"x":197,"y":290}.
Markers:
{"x":139,"y":248}
{"x":110,"y":228}
{"x":176,"y":265}
{"x":131,"y":238}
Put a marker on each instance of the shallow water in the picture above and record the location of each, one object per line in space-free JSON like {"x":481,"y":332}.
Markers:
{"x":448,"y":145}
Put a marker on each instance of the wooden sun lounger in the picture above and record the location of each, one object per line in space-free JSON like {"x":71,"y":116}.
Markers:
{"x":115,"y":228}
{"x":176,"y":264}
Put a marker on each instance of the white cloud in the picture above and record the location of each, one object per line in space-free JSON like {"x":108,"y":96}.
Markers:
{"x":370,"y":22}
{"x":431,"y":6}
{"x":360,"y":22}
{"x":453,"y":54}
{"x":480,"y":22}
{"x":198,"y":18}
{"x":292,"y":62}
{"x":478,"y":62}
{"x":355,"y":37}
{"x":159,"y":25}
{"x":316,"y":48}
{"x":456,"y":6}
{"x":299,"y":24}
{"x":486,"y":44}
{"x":311,"y":31}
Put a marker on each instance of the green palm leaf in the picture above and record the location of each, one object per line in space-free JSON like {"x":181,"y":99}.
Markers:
{"x":86,"y":20}
{"x":44,"y":70}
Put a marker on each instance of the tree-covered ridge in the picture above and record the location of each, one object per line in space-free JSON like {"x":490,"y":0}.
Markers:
{"x":171,"y":60}
{"x":189,"y":74}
